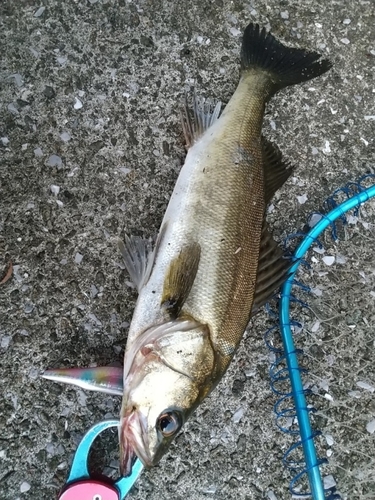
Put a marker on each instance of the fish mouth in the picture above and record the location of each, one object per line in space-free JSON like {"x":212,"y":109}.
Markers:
{"x":133,"y":441}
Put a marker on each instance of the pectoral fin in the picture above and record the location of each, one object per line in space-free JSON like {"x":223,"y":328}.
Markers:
{"x":180,"y":278}
{"x":108,"y":379}
{"x":273,"y":269}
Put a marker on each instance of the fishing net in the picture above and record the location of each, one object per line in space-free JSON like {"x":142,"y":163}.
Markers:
{"x":323,"y":374}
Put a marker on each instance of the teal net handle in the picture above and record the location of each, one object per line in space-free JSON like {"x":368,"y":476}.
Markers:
{"x":302,"y":412}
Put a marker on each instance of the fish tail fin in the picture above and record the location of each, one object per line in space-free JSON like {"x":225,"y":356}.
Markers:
{"x":285,"y":65}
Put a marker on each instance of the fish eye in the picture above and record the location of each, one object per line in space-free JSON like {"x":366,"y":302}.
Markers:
{"x":168,"y":423}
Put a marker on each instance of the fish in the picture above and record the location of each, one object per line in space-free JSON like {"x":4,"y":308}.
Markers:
{"x":214,"y":263}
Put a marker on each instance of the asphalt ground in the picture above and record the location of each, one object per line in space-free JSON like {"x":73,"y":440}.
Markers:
{"x":91,"y":146}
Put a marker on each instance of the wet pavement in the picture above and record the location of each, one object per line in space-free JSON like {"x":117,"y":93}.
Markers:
{"x":91,"y":146}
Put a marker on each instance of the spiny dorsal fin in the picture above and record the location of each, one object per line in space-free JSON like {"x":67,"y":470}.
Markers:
{"x":180,"y":278}
{"x":272,"y":269}
{"x":196,"y":121}
{"x":276,"y":171}
{"x":138,"y":258}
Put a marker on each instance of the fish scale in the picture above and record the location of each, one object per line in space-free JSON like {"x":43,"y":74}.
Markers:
{"x":228,"y":227}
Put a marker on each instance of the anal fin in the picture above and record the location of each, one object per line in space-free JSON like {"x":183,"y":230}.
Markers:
{"x":180,"y":278}
{"x":276,"y":171}
{"x":273,"y":269}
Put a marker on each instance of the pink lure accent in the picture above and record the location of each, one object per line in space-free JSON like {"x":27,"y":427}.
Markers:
{"x":89,"y":490}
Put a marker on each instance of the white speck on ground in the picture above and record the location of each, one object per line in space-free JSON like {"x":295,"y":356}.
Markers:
{"x":238,"y":415}
{"x":78,"y":258}
{"x":210,"y":490}
{"x":55,"y":189}
{"x":12,"y":109}
{"x":302,"y":199}
{"x":39,"y":12}
{"x":327,"y":148}
{"x":314,"y":219}
{"x":319,"y":250}
{"x":17,"y":79}
{"x":54,"y":161}
{"x":370,"y":427}
{"x":328,"y":260}
{"x":38,"y":152}
{"x":365,"y":385}
{"x":329,"y":482}
{"x":5,"y":342}
{"x":341,"y":259}
{"x":235,"y":31}
{"x":61,"y":60}
{"x":24,"y":487}
{"x":315,"y":326}
{"x":65,"y":136}
{"x":329,"y":439}
{"x":78,"y":103}
{"x":271,"y":495}
{"x":317,"y":291}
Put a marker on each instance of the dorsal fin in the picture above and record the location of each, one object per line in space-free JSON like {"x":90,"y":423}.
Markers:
{"x":138,"y":258}
{"x":276,"y":171}
{"x":197,"y":120}
{"x":179,"y":278}
{"x":273,"y":269}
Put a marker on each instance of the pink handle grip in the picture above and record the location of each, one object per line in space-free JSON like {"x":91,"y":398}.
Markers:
{"x":89,"y":489}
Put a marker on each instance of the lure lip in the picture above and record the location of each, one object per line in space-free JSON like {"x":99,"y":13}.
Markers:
{"x":134,"y":441}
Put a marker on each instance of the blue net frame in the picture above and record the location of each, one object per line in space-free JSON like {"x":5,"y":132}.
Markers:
{"x":356,"y":193}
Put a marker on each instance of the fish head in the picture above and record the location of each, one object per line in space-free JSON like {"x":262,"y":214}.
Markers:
{"x":150,"y":420}
{"x":165,"y":378}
